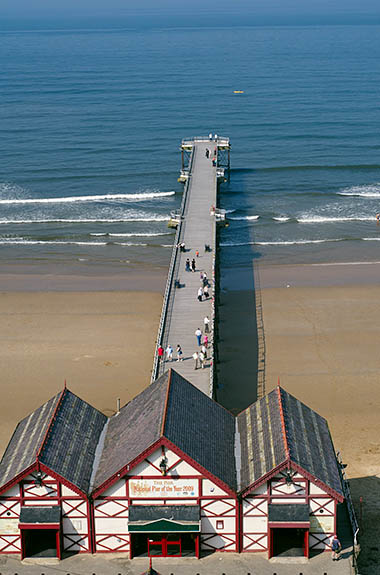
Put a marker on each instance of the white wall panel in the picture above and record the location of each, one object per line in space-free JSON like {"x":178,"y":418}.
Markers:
{"x":210,"y":488}
{"x":111,"y":526}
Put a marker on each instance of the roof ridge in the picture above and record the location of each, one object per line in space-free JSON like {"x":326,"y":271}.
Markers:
{"x":63,"y":393}
{"x":166,"y":402}
{"x":283,"y":426}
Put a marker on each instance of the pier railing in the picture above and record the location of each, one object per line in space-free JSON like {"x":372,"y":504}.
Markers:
{"x":219,"y":140}
{"x":169,"y":289}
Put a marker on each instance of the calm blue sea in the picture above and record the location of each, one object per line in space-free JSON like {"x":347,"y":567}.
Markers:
{"x":91,"y":123}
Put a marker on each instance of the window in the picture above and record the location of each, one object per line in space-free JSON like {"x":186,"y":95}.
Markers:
{"x":220,"y":524}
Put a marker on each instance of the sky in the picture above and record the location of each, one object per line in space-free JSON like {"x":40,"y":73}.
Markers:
{"x":201,"y":11}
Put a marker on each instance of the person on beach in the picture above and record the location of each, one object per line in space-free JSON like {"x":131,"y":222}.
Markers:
{"x":187,"y":265}
{"x":210,"y":136}
{"x":195,"y":358}
{"x":198,"y":334}
{"x":160,"y":352}
{"x":179,"y":353}
{"x":197,"y":254}
{"x":336,"y":548}
{"x":206,"y":323}
{"x":205,"y":341}
{"x":193,"y":265}
{"x":200,"y":294}
{"x":204,"y":350}
{"x":205,"y":279}
{"x":202,"y":358}
{"x":207,"y":153}
{"x":169,"y":353}
{"x":214,"y":163}
{"x":206,"y":292}
{"x":378,"y":219}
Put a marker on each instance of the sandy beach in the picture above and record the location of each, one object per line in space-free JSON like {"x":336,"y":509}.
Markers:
{"x":321,"y":337}
{"x":322,"y":342}
{"x":100,"y":342}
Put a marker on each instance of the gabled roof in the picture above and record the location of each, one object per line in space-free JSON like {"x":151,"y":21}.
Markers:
{"x":26,"y":441}
{"x":174,"y":409}
{"x":201,"y":428}
{"x":70,"y":445}
{"x":61,"y":434}
{"x":133,"y":430}
{"x":279,"y":430}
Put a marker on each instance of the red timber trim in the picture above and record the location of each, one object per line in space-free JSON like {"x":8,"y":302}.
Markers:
{"x":52,"y":418}
{"x":166,"y":402}
{"x":283,"y":426}
{"x":18,"y":478}
{"x":39,"y":526}
{"x":291,"y":465}
{"x":293,"y":525}
{"x":163,"y":441}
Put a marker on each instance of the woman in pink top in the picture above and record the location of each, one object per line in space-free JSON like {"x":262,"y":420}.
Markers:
{"x":205,"y":341}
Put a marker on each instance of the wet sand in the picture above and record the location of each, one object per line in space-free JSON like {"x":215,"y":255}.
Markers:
{"x":323,"y":343}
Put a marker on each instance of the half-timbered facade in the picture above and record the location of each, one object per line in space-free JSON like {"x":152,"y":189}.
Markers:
{"x":172,"y":474}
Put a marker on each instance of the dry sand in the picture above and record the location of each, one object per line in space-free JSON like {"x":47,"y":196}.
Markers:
{"x":101,"y":343}
{"x":323,"y":343}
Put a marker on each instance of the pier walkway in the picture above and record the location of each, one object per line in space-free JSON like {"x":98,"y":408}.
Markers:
{"x":182,"y":313}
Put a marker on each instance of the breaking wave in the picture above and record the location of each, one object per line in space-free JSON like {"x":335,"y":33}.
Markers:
{"x":96,"y":198}
{"x":323,"y":219}
{"x":242,"y":218}
{"x":368,"y":191}
{"x":153,"y":218}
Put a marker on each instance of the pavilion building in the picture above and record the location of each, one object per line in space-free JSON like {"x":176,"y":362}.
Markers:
{"x":172,"y":474}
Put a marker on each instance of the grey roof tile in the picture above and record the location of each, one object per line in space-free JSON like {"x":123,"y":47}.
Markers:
{"x":26,"y":441}
{"x":70,"y":446}
{"x":202,"y":429}
{"x":133,"y":430}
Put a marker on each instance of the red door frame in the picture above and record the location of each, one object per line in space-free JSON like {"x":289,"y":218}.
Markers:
{"x":54,"y":527}
{"x":305,"y":541}
{"x":164,"y":546}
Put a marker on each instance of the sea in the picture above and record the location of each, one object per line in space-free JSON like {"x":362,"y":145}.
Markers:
{"x":91,"y":123}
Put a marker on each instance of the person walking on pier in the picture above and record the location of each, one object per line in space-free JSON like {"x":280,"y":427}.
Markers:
{"x":198,"y":334}
{"x":195,"y":358}
{"x":202,"y":358}
{"x":207,"y":153}
{"x":204,"y":350}
{"x":179,"y":353}
{"x":205,"y":341}
{"x":206,"y":292}
{"x":206,"y":322}
{"x":169,"y":353}
{"x":193,"y":265}
{"x":160,"y":352}
{"x":200,"y":294}
{"x":187,"y":265}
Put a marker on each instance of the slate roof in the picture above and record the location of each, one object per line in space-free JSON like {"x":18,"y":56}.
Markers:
{"x":70,"y":446}
{"x":278,"y":429}
{"x":202,"y":429}
{"x":133,"y":430}
{"x":63,"y":433}
{"x":26,"y":441}
{"x":173,"y":408}
{"x":86,"y":448}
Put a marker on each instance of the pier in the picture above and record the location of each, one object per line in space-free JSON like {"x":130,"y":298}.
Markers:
{"x":196,"y":222}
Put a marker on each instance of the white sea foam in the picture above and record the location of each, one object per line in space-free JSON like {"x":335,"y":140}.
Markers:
{"x":23,"y":242}
{"x":333,"y":219}
{"x":152,"y":218}
{"x":132,"y":235}
{"x":371,"y":239}
{"x":367,"y":191}
{"x":96,"y":198}
{"x":230,"y":211}
{"x":280,"y":243}
{"x":281,"y":218}
{"x":241,"y":218}
{"x":129,"y":244}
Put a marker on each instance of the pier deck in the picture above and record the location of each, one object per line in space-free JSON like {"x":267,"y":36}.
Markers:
{"x":182,"y":312}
